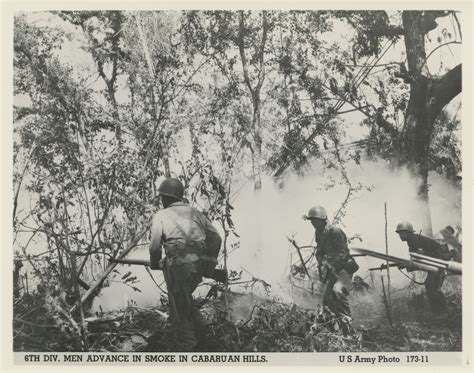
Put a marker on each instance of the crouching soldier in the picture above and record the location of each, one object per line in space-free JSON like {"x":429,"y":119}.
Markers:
{"x":191,"y":246}
{"x":447,"y":236}
{"x":430,"y":247}
{"x":333,"y":254}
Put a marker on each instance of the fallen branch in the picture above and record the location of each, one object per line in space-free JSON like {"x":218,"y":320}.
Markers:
{"x":293,"y":242}
{"x":256,"y":279}
{"x":111,"y":267}
{"x":34,"y":324}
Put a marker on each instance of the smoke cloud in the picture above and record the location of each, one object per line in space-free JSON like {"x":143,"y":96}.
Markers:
{"x":263,"y":219}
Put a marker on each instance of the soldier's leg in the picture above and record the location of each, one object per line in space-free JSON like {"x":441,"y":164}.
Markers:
{"x":200,"y":321}
{"x":341,"y":291}
{"x":433,"y":284}
{"x":328,"y":295}
{"x":430,"y":284}
{"x":439,"y":296}
{"x":180,"y":290}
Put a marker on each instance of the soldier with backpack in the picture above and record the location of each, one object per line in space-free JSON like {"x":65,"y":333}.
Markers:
{"x":191,"y":245}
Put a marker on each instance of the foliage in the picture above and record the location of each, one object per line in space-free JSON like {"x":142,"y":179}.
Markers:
{"x":271,"y":326}
{"x":251,"y":92}
{"x":94,"y":189}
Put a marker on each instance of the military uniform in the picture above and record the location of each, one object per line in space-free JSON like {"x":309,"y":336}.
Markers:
{"x":332,"y":247}
{"x":187,"y":237}
{"x":446,"y":237}
{"x":434,"y":281}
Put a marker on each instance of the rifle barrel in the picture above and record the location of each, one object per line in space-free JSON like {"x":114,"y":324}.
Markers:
{"x":141,"y":262}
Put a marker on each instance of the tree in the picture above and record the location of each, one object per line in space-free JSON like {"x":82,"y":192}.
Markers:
{"x":104,"y":33}
{"x":413,"y":140}
{"x":92,"y":159}
{"x":428,"y":96}
{"x":227,"y":37}
{"x":411,"y":92}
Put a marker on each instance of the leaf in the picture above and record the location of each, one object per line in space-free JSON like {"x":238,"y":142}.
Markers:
{"x":126,"y":275}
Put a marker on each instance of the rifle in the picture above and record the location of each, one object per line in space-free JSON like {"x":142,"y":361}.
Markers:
{"x":219,"y":275}
{"x":417,"y":262}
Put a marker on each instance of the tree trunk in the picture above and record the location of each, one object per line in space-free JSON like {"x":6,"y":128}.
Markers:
{"x":257,"y":154}
{"x":165,"y":155}
{"x":428,"y":96}
{"x":157,"y":118}
{"x":256,"y":145}
{"x":416,"y":144}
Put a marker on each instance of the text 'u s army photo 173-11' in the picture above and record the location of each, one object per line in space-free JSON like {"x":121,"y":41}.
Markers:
{"x":222,"y":186}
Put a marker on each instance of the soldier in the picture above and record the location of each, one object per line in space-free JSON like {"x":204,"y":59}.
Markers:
{"x":447,"y":235}
{"x":191,"y":245}
{"x":430,"y":247}
{"x":333,"y":253}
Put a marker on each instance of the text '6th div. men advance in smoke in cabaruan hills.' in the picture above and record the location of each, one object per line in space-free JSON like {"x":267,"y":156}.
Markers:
{"x":163,"y":161}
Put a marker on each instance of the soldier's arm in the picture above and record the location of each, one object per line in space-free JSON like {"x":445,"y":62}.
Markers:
{"x":213,"y":238}
{"x":155,"y":245}
{"x":338,"y":239}
{"x":319,"y":255}
{"x":414,"y":245}
{"x":320,"y":260}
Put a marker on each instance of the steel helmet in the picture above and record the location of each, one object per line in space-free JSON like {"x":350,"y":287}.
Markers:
{"x":317,"y":212}
{"x":404,"y":226}
{"x":449,"y":229}
{"x":171,"y":187}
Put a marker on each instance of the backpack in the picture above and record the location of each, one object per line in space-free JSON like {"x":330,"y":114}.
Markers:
{"x":208,"y":257}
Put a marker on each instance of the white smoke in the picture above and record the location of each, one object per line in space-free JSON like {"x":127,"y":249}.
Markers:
{"x":263,"y":219}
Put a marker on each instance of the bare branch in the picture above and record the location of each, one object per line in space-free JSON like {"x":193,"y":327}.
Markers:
{"x":458,"y":23}
{"x":111,"y":266}
{"x":434,"y":50}
{"x":17,"y":193}
{"x":261,"y":73}
{"x":243,"y":58}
